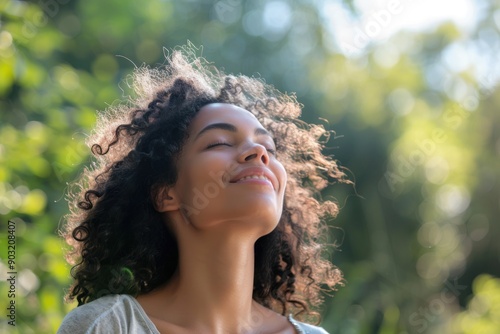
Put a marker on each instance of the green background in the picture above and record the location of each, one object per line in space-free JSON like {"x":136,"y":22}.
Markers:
{"x":418,"y":234}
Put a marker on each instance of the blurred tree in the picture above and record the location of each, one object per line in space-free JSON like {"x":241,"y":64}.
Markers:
{"x":483,"y":313}
{"x":417,"y":129}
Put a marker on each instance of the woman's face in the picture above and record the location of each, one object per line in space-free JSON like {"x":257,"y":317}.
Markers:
{"x":228,"y":172}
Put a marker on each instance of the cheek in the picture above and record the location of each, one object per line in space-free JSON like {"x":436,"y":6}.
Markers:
{"x":282,"y":175}
{"x":203,"y":171}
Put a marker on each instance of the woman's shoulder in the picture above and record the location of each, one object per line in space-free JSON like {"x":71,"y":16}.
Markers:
{"x":304,"y":328}
{"x":108,"y":314}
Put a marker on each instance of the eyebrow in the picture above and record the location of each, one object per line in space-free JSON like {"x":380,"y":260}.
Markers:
{"x":231,"y":128}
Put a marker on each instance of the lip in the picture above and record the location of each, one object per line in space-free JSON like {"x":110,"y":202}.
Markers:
{"x":258,"y":171}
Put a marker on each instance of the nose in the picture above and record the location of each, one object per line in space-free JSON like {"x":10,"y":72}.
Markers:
{"x":255,"y":152}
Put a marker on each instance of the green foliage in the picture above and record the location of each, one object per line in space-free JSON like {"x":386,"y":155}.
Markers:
{"x":483,"y":310}
{"x":418,"y":134}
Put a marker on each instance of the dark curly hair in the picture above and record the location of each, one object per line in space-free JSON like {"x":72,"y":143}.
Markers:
{"x":119,"y":242}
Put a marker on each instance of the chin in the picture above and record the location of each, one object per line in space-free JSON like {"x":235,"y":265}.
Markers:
{"x":269,"y":228}
{"x":266,"y":224}
{"x":261,"y":221}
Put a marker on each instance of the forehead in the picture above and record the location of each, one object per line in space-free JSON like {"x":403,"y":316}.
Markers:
{"x":223,"y":113}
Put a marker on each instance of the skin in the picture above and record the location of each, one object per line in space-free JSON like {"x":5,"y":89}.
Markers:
{"x":216,"y":223}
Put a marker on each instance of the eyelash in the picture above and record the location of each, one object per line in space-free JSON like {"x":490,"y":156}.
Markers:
{"x":270,"y":150}
{"x":218,"y":143}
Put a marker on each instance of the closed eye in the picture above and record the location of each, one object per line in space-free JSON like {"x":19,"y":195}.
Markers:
{"x":218,"y":144}
{"x":270,"y":150}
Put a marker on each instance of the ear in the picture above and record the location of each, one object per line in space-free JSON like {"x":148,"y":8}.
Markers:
{"x":165,"y":199}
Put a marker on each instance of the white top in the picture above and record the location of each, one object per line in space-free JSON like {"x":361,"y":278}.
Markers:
{"x":121,"y":314}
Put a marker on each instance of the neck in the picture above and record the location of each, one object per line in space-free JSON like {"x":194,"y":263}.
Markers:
{"x":212,"y":289}
{"x":218,"y":276}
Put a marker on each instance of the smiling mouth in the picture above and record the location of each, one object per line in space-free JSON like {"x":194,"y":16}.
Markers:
{"x":257,"y":176}
{"x":257,"y":179}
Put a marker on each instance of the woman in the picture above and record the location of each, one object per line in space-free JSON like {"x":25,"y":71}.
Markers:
{"x":199,"y":215}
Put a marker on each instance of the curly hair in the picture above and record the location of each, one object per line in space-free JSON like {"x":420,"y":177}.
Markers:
{"x":119,"y":243}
